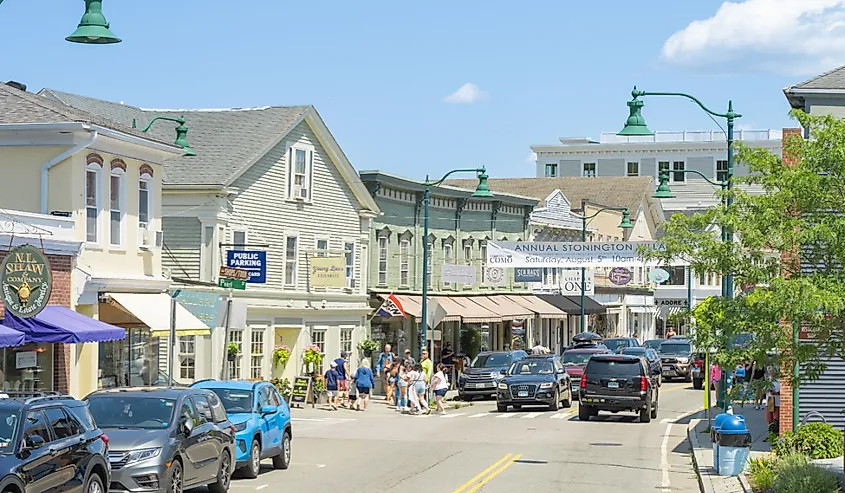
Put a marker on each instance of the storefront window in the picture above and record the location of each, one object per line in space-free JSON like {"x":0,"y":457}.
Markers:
{"x":27,"y":368}
{"x":133,"y":361}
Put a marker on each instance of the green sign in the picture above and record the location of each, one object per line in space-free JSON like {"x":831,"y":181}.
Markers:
{"x":231,"y":283}
{"x":201,"y":305}
{"x":25,"y":281}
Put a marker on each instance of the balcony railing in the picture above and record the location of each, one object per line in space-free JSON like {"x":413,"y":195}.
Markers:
{"x":693,"y":136}
{"x":31,"y":225}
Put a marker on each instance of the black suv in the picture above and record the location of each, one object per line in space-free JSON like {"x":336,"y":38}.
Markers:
{"x":618,"y":382}
{"x":484,"y":374}
{"x":49,"y":442}
{"x":617,"y":344}
{"x":535,"y":380}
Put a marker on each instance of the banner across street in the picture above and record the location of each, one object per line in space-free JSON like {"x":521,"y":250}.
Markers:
{"x":570,"y":254}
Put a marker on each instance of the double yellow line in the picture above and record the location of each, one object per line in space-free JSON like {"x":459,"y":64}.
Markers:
{"x":486,"y":475}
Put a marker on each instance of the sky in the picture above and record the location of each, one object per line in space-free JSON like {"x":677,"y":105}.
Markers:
{"x":416,"y":88}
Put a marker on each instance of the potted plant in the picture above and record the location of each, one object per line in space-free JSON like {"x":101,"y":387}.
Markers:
{"x":368,"y":347}
{"x":232,"y":351}
{"x":312,"y":357}
{"x":319,"y":390}
{"x":281,"y":356}
{"x":283,"y":386}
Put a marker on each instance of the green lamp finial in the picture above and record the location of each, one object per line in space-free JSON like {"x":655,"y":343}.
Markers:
{"x":482,"y":190}
{"x":635,"y":125}
{"x":93,"y":28}
{"x":663,"y":191}
{"x":182,"y":137}
{"x":626,"y":220}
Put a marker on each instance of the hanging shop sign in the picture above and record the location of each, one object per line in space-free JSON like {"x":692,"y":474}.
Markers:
{"x":253,"y":262}
{"x":201,"y":305}
{"x":670,"y":302}
{"x":526,"y":274}
{"x":327,"y":272}
{"x":658,"y":275}
{"x":494,"y":276}
{"x":26,"y":281}
{"x":570,"y":282}
{"x":620,"y":276}
{"x":569,"y":254}
{"x":233,"y":273}
{"x":458,"y":273}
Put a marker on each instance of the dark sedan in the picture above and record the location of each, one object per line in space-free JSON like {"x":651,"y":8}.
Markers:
{"x":535,"y":381}
{"x":651,"y":358}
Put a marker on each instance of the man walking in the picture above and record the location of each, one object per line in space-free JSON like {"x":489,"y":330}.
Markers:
{"x":428,"y":369}
{"x":409,"y":359}
{"x":385,"y":359}
{"x":342,"y":378}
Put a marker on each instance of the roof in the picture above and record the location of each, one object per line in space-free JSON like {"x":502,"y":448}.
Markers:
{"x":25,"y":107}
{"x":466,"y":188}
{"x":832,"y":80}
{"x":613,"y":191}
{"x":225,"y":384}
{"x":155,"y":392}
{"x":227,"y":141}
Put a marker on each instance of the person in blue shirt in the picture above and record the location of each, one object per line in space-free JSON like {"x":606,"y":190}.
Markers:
{"x":342,"y":381}
{"x":386,"y":360}
{"x":364,"y":381}
{"x":332,"y":377}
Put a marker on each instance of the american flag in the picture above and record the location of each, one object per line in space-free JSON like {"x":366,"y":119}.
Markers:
{"x":391,"y":307}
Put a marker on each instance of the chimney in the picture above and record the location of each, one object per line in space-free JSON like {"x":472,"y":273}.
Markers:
{"x":17,"y":85}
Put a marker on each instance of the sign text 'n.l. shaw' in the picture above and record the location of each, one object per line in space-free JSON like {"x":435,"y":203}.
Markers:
{"x":569,"y":254}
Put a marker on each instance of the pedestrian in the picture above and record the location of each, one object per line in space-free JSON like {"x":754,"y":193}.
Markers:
{"x":715,"y":376}
{"x":364,"y":382}
{"x":385,"y":359}
{"x":447,"y":354}
{"x":637,"y":336}
{"x":773,"y":397}
{"x":411,"y":377}
{"x":402,"y":388}
{"x":440,"y":386}
{"x":538,"y":348}
{"x":342,"y":383}
{"x":419,"y":388}
{"x":332,"y":377}
{"x":670,"y":333}
{"x":428,"y":368}
{"x":758,"y":381}
{"x":739,"y":382}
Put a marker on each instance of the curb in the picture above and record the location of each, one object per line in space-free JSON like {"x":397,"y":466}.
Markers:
{"x":746,"y":486}
{"x":705,"y":486}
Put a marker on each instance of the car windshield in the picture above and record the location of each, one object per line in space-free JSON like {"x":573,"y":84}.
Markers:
{"x":491,"y":360}
{"x":8,"y":428}
{"x":235,"y":400}
{"x":615,"y":368}
{"x":573,"y":359}
{"x":526,"y":367}
{"x":674,"y":348}
{"x":131,"y":411}
{"x":614,"y":344}
{"x":654,"y":343}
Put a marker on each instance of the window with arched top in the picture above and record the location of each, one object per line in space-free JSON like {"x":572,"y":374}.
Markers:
{"x":117,"y":205}
{"x":145,"y":205}
{"x":93,"y":199}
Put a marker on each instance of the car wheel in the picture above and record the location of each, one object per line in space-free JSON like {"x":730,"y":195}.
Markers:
{"x":253,"y":467}
{"x":567,"y":403}
{"x":584,"y":413}
{"x":698,"y":384}
{"x":688,"y":377}
{"x":95,"y":484}
{"x":223,"y":475}
{"x":501,"y":408}
{"x":282,"y":461}
{"x":654,"y":409}
{"x":176,"y":478}
{"x":555,"y":405}
{"x":659,"y":380}
{"x":645,"y":414}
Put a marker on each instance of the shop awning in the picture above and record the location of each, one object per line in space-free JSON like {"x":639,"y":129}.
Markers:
{"x":591,"y":306}
{"x":538,"y":306}
{"x":503,"y":307}
{"x":572,"y":305}
{"x":11,"y":337}
{"x":461,"y":307}
{"x":153,"y":310}
{"x":58,"y":324}
{"x":411,"y":304}
{"x":642,"y":309}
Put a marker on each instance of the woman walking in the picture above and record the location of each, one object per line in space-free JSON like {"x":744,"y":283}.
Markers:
{"x":758,"y":381}
{"x":402,"y":387}
{"x":391,"y":391}
{"x":440,"y":386}
{"x":364,"y":382}
{"x":412,"y":376}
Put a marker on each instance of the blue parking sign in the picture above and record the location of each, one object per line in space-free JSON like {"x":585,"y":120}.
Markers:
{"x":251,"y":261}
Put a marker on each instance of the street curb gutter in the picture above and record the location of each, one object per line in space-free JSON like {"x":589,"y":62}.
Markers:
{"x":705,"y":486}
{"x":743,"y":480}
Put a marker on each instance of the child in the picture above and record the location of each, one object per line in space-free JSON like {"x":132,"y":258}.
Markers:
{"x":332,"y":377}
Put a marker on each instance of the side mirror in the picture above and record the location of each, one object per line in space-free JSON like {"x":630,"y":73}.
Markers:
{"x":269,"y":410}
{"x":503,"y":372}
{"x":186,"y":425}
{"x":33,"y":442}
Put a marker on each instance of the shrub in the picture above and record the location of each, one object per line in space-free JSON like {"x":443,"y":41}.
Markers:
{"x":762,"y":473}
{"x":816,"y":440}
{"x":796,"y":475}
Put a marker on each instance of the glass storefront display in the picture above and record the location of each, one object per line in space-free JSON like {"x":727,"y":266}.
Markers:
{"x":133,"y":361}
{"x":27,"y":368}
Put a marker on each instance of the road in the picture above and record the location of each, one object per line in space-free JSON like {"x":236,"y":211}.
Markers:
{"x":476,"y":449}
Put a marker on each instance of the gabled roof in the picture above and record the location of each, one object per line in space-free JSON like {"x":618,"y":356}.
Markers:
{"x":227,"y":141}
{"x":17,"y":106}
{"x":832,"y":81}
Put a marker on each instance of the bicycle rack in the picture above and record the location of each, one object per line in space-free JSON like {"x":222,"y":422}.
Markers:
{"x":813,"y":414}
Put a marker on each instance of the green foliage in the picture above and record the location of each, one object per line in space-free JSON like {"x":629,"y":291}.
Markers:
{"x":319,"y":384}
{"x":796,"y":475}
{"x":762,"y":473}
{"x":283,"y":385}
{"x":281,"y":355}
{"x":471,"y":341}
{"x":815,"y":440}
{"x":233,"y":349}
{"x":368,"y":346}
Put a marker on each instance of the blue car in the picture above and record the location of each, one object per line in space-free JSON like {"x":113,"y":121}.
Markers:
{"x":262,"y":422}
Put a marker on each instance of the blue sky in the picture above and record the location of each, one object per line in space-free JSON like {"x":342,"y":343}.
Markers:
{"x":381,"y":73}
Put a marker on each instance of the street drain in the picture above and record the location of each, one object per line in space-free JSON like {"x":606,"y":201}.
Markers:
{"x":601,"y":444}
{"x":527,"y":461}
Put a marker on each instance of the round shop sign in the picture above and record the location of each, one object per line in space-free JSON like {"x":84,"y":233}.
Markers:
{"x":620,"y":276}
{"x":25,"y":281}
{"x":658,"y":276}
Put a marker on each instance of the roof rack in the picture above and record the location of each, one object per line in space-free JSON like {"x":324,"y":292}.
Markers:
{"x":34,"y":396}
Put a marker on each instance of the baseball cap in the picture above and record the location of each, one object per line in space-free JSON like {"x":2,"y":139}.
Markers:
{"x":343,"y":354}
{"x":333,"y":364}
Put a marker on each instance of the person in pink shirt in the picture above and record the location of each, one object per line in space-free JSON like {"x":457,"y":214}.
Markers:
{"x":715,"y":376}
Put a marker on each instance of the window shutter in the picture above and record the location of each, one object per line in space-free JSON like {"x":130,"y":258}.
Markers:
{"x":310,"y":175}
{"x":290,"y":172}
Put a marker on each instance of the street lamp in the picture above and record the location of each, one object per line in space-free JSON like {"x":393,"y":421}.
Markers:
{"x":93,"y":28}
{"x":181,"y":132}
{"x":635,"y":125}
{"x":482,"y":191}
{"x":625,"y":224}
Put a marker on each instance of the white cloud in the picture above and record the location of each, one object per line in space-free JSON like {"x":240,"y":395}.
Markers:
{"x":467,"y":93}
{"x":783,"y":36}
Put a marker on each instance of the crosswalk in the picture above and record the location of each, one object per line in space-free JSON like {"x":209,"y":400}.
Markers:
{"x":510,"y":415}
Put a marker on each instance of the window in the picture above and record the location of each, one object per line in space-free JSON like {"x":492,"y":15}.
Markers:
{"x":721,"y":170}
{"x":256,"y":352}
{"x":203,"y":409}
{"x":589,"y":169}
{"x":300,"y":173}
{"x":36,"y":425}
{"x":709,"y":279}
{"x":551,"y":169}
{"x":633,"y":168}
{"x":187,"y":412}
{"x":346,"y":340}
{"x":263,"y":396}
{"x":661,"y":167}
{"x":63,"y":426}
{"x":187,"y":357}
{"x":447,"y":259}
{"x":483,"y":251}
{"x":678,"y":166}
{"x":236,"y":337}
{"x":468,"y":253}
{"x":404,"y":271}
{"x":275,"y":398}
{"x":349,"y":254}
{"x":382,"y":261}
{"x":677,"y":276}
{"x":92,"y":203}
{"x":322,"y":248}
{"x":82,"y":415}
{"x":239,"y":240}
{"x":429,"y":261}
{"x":144,"y":185}
{"x":318,"y":338}
{"x":116,"y":207}
{"x":217,"y":409}
{"x":291,"y":253}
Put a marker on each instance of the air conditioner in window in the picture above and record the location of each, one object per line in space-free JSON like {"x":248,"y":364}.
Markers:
{"x":151,"y":239}
{"x":300,"y":192}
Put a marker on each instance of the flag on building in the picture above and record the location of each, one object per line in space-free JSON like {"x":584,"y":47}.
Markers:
{"x":391,"y":307}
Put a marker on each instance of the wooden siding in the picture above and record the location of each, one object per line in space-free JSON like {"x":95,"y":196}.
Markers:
{"x":182,"y":242}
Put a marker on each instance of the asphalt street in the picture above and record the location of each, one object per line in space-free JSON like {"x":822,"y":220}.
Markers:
{"x":476,"y":449}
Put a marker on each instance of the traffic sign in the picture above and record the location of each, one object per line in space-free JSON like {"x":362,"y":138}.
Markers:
{"x":231,"y":283}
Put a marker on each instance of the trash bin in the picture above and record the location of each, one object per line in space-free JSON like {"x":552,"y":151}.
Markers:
{"x":714,"y":437}
{"x":734,"y":446}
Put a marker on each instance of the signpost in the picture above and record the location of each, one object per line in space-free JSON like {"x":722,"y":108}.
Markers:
{"x":327,"y":272}
{"x":620,"y":276}
{"x":25,"y":281}
{"x":570,"y":254}
{"x":232,"y":273}
{"x":300,"y":391}
{"x":231,"y":283}
{"x":458,"y":273}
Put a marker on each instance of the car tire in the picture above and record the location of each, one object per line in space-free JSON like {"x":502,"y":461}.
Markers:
{"x":175,"y":478}
{"x":253,"y":466}
{"x":94,"y":484}
{"x":645,"y":414}
{"x":282,"y":461}
{"x":688,"y":377}
{"x":463,"y":397}
{"x":584,"y":413}
{"x":654,"y":408}
{"x":567,"y":403}
{"x":224,"y":475}
{"x":555,"y":405}
{"x":501,"y":408}
{"x":698,"y":384}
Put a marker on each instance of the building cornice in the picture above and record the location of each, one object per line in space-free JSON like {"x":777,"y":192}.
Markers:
{"x":644,"y":149}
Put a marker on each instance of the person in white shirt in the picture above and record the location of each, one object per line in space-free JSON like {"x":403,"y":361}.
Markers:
{"x":773,"y":397}
{"x":440,"y":386}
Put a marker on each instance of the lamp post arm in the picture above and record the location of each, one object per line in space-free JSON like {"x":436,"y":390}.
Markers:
{"x":730,"y":114}
{"x":180,"y":120}
{"x":447,"y":175}
{"x":593,"y":216}
{"x":701,"y":175}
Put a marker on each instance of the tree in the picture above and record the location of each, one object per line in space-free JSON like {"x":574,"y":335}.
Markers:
{"x":800,"y":212}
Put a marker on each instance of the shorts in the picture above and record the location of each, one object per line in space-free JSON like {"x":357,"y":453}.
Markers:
{"x":419,"y":388}
{"x":363,"y":390}
{"x":740,"y":380}
{"x":403,"y":383}
{"x":331,"y":393}
{"x":342,"y":385}
{"x":391,"y":380}
{"x":441,"y":392}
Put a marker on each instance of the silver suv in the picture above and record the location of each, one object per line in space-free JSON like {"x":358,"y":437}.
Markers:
{"x":165,"y":439}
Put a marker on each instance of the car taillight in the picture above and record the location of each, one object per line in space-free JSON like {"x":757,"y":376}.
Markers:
{"x":644,"y":383}
{"x":583,"y":380}
{"x":104,"y":438}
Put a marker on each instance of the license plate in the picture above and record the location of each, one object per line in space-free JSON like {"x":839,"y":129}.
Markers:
{"x":696,"y":370}
{"x":523,"y":394}
{"x":480,"y":385}
{"x":668,"y":368}
{"x":613,"y":385}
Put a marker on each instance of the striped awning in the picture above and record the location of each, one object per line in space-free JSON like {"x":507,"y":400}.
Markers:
{"x":411,"y":304}
{"x":462,"y":307}
{"x":502,"y":306}
{"x":538,"y":306}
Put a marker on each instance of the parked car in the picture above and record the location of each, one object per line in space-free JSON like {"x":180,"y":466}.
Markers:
{"x":697,"y":371}
{"x":50,"y":442}
{"x":653,"y":343}
{"x":676,"y":358}
{"x":585,"y":340}
{"x":261,"y":419}
{"x":617,"y":344}
{"x":484,"y":373}
{"x":165,"y":439}
{"x":651,"y":358}
{"x":532,"y":381}
{"x":574,"y":361}
{"x":616,"y":382}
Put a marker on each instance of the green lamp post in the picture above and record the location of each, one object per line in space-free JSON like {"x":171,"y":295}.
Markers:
{"x":625,"y":224}
{"x":635,"y":125}
{"x":93,"y":28}
{"x":482,"y":191}
{"x":181,"y":132}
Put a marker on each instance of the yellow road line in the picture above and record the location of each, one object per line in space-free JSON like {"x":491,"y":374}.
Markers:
{"x":482,"y":474}
{"x":495,"y":473}
{"x":680,"y":387}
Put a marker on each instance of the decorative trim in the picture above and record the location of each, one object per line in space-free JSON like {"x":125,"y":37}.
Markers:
{"x":118,"y":163}
{"x":146,"y":169}
{"x":94,"y":158}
